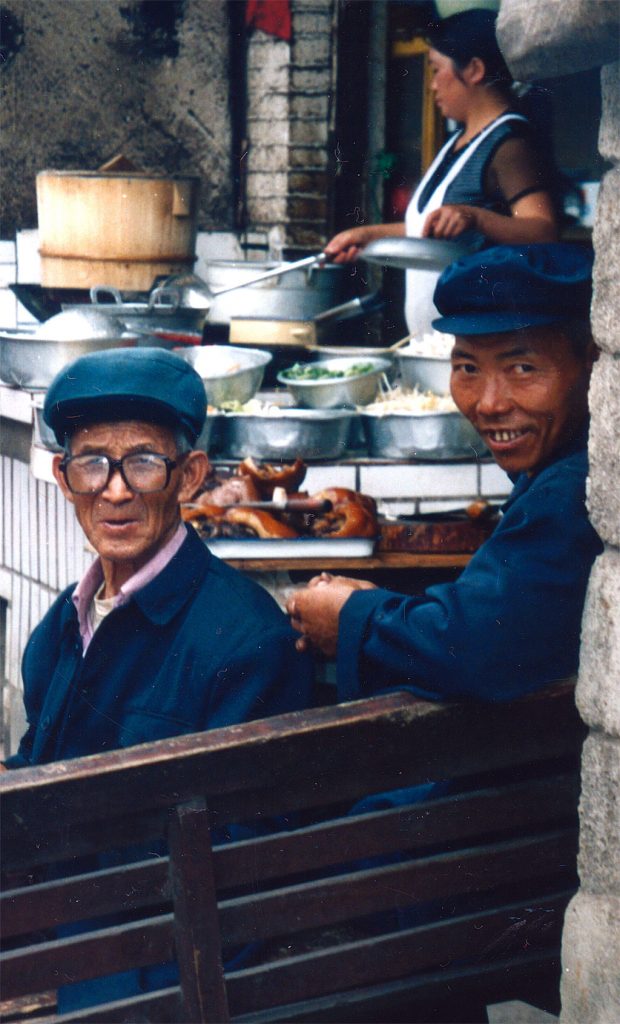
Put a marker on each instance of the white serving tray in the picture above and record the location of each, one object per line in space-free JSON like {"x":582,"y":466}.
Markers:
{"x":304,"y":547}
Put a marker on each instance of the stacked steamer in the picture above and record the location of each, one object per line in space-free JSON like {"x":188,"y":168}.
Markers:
{"x":418,"y":418}
{"x":122,"y":228}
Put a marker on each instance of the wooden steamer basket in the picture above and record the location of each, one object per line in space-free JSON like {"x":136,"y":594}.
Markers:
{"x":117,"y":228}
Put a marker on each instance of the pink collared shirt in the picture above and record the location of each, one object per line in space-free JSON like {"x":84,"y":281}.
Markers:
{"x":93,"y":578}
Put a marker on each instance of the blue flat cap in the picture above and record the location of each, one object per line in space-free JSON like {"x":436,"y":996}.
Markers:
{"x":509,"y":287}
{"x":148,"y":384}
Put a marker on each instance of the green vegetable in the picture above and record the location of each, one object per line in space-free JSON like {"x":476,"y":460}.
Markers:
{"x":318,"y":371}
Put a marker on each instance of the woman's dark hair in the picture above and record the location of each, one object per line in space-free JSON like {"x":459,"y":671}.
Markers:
{"x":470,"y":34}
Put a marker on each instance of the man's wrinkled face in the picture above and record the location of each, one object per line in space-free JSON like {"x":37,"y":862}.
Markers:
{"x":125,"y":527}
{"x":525,"y":392}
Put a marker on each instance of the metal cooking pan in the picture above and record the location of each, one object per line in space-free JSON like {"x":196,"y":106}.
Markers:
{"x":162,"y":311}
{"x":414,"y":253}
{"x":276,"y":332}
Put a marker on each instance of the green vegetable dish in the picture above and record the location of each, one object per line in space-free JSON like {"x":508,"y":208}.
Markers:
{"x":316,"y":371}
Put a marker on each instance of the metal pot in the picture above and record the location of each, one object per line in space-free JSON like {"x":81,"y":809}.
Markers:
{"x":296,"y":295}
{"x":163,"y":311}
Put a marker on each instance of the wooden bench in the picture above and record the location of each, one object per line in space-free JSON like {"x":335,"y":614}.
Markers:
{"x":489,"y":869}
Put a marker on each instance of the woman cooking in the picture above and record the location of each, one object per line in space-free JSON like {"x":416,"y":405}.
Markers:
{"x":488,"y":183}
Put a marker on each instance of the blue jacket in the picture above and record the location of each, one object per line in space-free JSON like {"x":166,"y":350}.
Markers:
{"x":201,"y":646}
{"x":509,"y":625}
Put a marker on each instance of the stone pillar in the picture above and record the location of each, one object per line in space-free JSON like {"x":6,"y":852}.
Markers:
{"x":539,"y":40}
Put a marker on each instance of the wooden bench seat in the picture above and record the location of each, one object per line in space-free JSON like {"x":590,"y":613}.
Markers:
{"x":384,"y":916}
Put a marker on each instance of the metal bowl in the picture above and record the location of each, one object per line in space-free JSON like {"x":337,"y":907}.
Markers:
{"x":428,"y":373}
{"x":434,"y":436}
{"x":229,"y":374}
{"x":338,"y":392}
{"x":291,"y":434}
{"x":30,"y":361}
{"x":324,"y":352}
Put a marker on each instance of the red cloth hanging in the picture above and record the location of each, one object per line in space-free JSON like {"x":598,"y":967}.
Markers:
{"x":271,"y":16}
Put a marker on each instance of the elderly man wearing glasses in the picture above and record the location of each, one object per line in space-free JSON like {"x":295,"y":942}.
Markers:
{"x":159,"y":637}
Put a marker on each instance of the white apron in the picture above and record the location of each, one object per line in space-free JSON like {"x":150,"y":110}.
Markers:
{"x":420,"y":309}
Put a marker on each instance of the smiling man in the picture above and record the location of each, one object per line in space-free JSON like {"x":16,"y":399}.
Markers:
{"x":510,"y":624}
{"x":159,"y":638}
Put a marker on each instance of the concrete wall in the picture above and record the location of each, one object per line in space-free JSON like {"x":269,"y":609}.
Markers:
{"x":84,"y":79}
{"x":537,"y":42}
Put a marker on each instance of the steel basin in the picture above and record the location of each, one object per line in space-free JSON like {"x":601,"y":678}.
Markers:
{"x":433,"y":436}
{"x":291,"y":434}
{"x":30,"y":361}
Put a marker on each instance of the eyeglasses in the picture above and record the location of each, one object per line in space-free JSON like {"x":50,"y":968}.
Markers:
{"x":142,"y":472}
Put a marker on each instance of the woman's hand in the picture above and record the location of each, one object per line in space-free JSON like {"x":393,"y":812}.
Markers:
{"x":532,"y":220}
{"x":315,"y":610}
{"x":346,"y":246}
{"x":450,"y":221}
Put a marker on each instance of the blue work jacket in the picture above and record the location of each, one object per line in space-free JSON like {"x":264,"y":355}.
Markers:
{"x":199,"y":647}
{"x":509,"y":625}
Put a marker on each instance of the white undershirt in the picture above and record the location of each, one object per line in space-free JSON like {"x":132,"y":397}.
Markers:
{"x":100,"y":607}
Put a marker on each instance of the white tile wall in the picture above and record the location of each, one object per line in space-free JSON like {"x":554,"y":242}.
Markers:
{"x":28,"y":259}
{"x":493,"y":480}
{"x":7,"y":252}
{"x":440,"y":480}
{"x":319,"y":477}
{"x":8,"y":274}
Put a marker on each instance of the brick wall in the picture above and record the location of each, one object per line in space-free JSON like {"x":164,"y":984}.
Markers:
{"x":289,"y":118}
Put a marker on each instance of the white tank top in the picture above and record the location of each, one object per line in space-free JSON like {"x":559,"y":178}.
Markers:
{"x":420,"y":309}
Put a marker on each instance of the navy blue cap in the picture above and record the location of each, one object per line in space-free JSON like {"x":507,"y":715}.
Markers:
{"x":509,"y":287}
{"x":148,"y":384}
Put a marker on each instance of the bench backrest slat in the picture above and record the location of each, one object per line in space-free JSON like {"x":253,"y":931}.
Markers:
{"x":505,"y":843}
{"x":383,"y":958}
{"x":298,"y":761}
{"x":49,"y":964}
{"x":521,"y":806}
